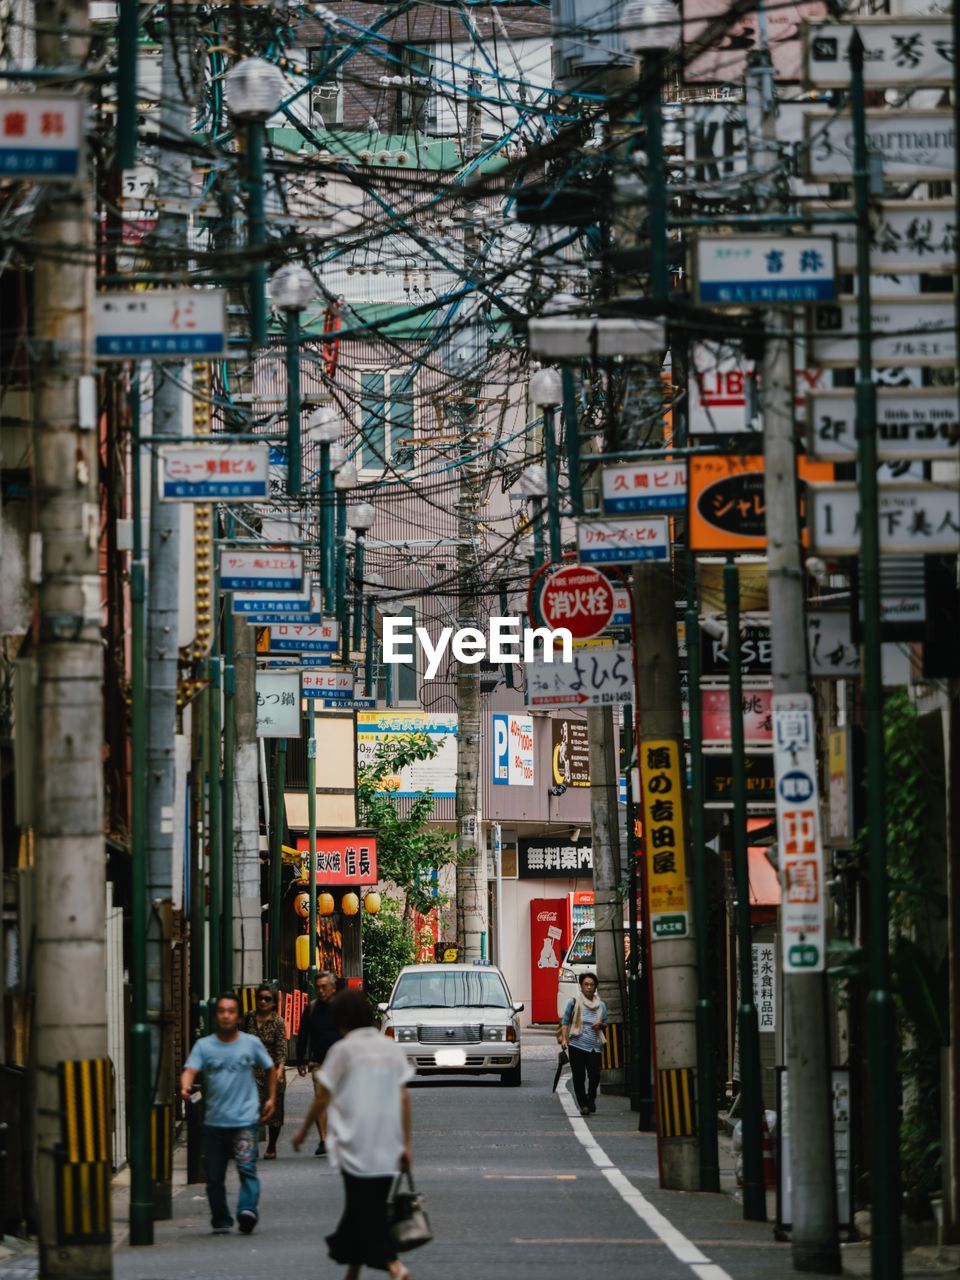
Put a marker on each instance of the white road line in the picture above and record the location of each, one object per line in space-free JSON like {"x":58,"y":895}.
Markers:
{"x":678,"y":1244}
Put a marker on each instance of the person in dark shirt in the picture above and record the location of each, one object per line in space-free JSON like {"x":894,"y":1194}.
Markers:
{"x":317,"y":1035}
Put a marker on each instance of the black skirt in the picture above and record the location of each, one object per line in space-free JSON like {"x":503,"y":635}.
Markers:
{"x":361,"y":1237}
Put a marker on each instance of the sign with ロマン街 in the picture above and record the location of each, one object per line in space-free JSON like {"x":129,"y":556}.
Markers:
{"x":913,"y":518}
{"x":278,"y":704}
{"x":287,"y":637}
{"x":663,"y":834}
{"x":656,"y":487}
{"x":162,"y":324}
{"x":513,"y":758}
{"x":762,"y":270}
{"x":802,"y":923}
{"x":41,"y":136}
{"x":624,"y":540}
{"x":265,"y":570}
{"x":212,"y":472}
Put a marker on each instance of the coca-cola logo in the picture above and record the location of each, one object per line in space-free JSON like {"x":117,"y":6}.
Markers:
{"x":546,"y":917}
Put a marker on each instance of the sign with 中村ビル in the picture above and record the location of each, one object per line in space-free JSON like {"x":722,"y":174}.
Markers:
{"x":212,"y":472}
{"x":594,"y":678}
{"x":266,"y":570}
{"x":663,"y":836}
{"x":333,"y":684}
{"x":896,"y":51}
{"x":655,"y":487}
{"x":802,"y":927}
{"x":41,"y":136}
{"x":922,"y":422}
{"x":623,"y":540}
{"x":913,"y":518}
{"x":161,"y":324}
{"x":278,"y":704}
{"x":764,"y":270}
{"x":905,"y":332}
{"x":912,"y":144}
{"x":727,"y":505}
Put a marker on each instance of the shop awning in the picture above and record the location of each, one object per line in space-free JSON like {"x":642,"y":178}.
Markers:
{"x":764,"y":881}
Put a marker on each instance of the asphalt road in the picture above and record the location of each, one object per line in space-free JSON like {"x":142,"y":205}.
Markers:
{"x":517,"y":1184}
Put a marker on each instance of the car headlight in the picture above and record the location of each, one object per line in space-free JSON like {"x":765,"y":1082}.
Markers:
{"x":405,"y":1034}
{"x":494,"y":1033}
{"x":567,"y":975}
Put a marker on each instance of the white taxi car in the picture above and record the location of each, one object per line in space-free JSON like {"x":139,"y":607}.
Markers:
{"x":455,"y":1018}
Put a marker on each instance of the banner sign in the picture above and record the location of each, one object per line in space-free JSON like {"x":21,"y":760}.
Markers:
{"x":664,"y":838}
{"x":260,"y":570}
{"x":41,"y":136}
{"x":570,"y":753}
{"x":914,"y":519}
{"x":906,"y":236}
{"x":922,"y":422}
{"x":765,"y":984}
{"x":278,"y":704}
{"x":513,"y":758}
{"x":161,"y":324}
{"x":832,"y":654}
{"x":911,"y":144}
{"x":723,"y":390}
{"x":764,"y":270}
{"x":718,"y":780}
{"x":657,"y":487}
{"x":628,"y":540}
{"x":335,"y":684}
{"x":289,"y":637}
{"x":756,"y":713}
{"x":346,"y":858}
{"x":756,"y":653}
{"x":595,"y":678}
{"x":212,"y":472}
{"x":727,"y":505}
{"x":301,"y":601}
{"x":438,"y":774}
{"x":549,"y":859}
{"x":906,"y":332}
{"x":907,"y":51}
{"x":802,"y":926}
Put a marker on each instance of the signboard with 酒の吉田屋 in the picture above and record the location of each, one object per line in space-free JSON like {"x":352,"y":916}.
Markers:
{"x":594,"y":678}
{"x":627,"y":540}
{"x":278,"y":704}
{"x":765,"y":270}
{"x":913,"y":518}
{"x":663,"y":837}
{"x":163,"y":324}
{"x":656,"y":487}
{"x":922,"y":422}
{"x":265,"y":570}
{"x":802,"y":927}
{"x":213,"y":472}
{"x":906,"y":51}
{"x":41,"y":136}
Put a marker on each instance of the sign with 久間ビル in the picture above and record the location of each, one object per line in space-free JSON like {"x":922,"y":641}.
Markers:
{"x":896,"y":51}
{"x":278,"y":704}
{"x":41,"y":136}
{"x":727,"y":505}
{"x":802,"y":926}
{"x":213,"y":472}
{"x":763,"y":270}
{"x":911,"y":144}
{"x":163,"y":324}
{"x":627,"y":540}
{"x":913,"y":518}
{"x":350,"y":858}
{"x":666,"y":878}
{"x":513,"y":759}
{"x":905,"y":332}
{"x":321,"y":637}
{"x":922,"y":422}
{"x":594,"y":678}
{"x":260,"y":570}
{"x":655,"y":487}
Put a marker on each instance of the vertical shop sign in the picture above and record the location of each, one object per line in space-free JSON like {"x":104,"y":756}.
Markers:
{"x":765,"y":985}
{"x":664,"y":837}
{"x":798,"y":834}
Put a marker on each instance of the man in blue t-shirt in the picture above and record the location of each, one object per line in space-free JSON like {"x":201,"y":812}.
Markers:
{"x":232,"y":1110}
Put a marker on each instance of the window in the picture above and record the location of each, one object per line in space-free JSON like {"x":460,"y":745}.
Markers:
{"x":452,"y":990}
{"x":415,"y":103}
{"x":386,"y":422}
{"x":406,"y":678}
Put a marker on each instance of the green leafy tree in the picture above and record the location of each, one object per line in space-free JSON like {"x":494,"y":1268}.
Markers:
{"x":389,"y":942}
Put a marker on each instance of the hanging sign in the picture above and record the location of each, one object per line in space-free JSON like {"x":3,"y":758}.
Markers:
{"x":278,"y":704}
{"x":718,"y":780}
{"x":906,"y":332}
{"x":622,"y":608}
{"x":922,"y":422}
{"x":280,"y":603}
{"x":802,"y":926}
{"x":723,"y":390}
{"x":570,"y":752}
{"x":628,"y":540}
{"x":41,"y":136}
{"x":513,"y":756}
{"x":911,"y":144}
{"x":755,"y":710}
{"x":913,"y":518}
{"x":344,"y":858}
{"x":260,"y":570}
{"x":906,"y":51}
{"x":832,"y":654}
{"x":738,"y":270}
{"x":323,"y":637}
{"x":595,"y":678}
{"x":727,"y":505}
{"x":212,"y":472}
{"x":905,"y":236}
{"x":162,"y":324}
{"x":579,"y":599}
{"x":335,"y":684}
{"x":756,"y":652}
{"x":657,"y":487}
{"x":663,"y":836}
{"x":765,"y":984}
{"x":546,"y":858}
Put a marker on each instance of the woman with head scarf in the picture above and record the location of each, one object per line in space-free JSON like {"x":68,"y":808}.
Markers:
{"x":582,"y":1035}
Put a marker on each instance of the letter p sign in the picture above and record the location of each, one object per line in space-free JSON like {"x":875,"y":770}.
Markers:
{"x":501,"y":750}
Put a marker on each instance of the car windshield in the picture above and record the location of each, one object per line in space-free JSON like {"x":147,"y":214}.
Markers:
{"x":582,"y":951}
{"x":450,"y":991}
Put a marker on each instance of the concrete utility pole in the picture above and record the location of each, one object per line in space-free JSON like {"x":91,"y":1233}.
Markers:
{"x":813,"y":1238}
{"x":247,"y":940}
{"x":163,"y":592}
{"x":69,"y":954}
{"x":607,"y":899}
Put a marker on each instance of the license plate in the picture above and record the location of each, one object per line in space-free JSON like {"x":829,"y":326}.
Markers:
{"x":450,"y":1058}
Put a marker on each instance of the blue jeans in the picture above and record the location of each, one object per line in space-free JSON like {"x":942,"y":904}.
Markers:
{"x":219,"y":1145}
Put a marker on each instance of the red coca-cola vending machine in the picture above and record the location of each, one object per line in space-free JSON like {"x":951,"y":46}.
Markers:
{"x":549,"y":940}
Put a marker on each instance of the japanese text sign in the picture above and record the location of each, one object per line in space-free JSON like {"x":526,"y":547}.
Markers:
{"x":335,"y":684}
{"x":654,"y":487}
{"x":350,"y":858}
{"x":578,"y":598}
{"x":765,"y":270}
{"x":663,"y":835}
{"x":41,"y":136}
{"x":718,"y":780}
{"x":833,"y":655}
{"x":923,"y":422}
{"x":909,"y":51}
{"x":212,"y":472}
{"x":278,"y":704}
{"x":276,"y":605}
{"x":163,"y":324}
{"x":594,"y":678}
{"x":905,"y":236}
{"x":554,"y":859}
{"x":913,"y":518}
{"x":437,"y":775}
{"x":513,"y":758}
{"x":756,"y":713}
{"x":628,"y":540}
{"x":802,"y":926}
{"x":570,"y":754}
{"x":265,"y":570}
{"x":323,"y":637}
{"x":765,"y":985}
{"x":906,"y":332}
{"x":727,"y":505}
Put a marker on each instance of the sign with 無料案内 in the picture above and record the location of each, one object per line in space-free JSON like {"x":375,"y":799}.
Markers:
{"x":663,"y":835}
{"x":548,"y":858}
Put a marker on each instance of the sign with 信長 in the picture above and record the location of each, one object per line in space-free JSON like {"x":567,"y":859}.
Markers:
{"x":913,"y":518}
{"x":161,"y":324}
{"x":624,"y":540}
{"x":212,"y":472}
{"x":656,"y":487}
{"x":41,"y":136}
{"x":738,"y":270}
{"x":906,"y":51}
{"x":278,"y":704}
{"x":265,"y":570}
{"x":802,"y":926}
{"x":665,"y":854}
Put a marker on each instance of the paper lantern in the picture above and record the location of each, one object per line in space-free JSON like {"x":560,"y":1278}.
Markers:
{"x":301,"y":905}
{"x":325,"y":904}
{"x":350,"y":904}
{"x":371,"y":903}
{"x":303,"y":954}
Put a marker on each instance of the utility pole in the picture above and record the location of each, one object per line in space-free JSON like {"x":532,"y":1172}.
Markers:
{"x":163,"y":598}
{"x":247,"y":933}
{"x":607,"y":899}
{"x":69,"y":953}
{"x":813,"y":1238}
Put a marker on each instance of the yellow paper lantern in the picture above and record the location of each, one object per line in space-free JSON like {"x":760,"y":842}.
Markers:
{"x":301,"y":905}
{"x":325,"y":904}
{"x":303,"y":954}
{"x":350,"y":904}
{"x":371,"y":903}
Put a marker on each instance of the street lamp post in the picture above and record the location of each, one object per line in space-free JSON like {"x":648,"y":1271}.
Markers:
{"x":533,"y":485}
{"x":291,"y":289}
{"x":359,"y":518}
{"x":345,"y":479}
{"x":546,"y":391}
{"x":325,"y":426}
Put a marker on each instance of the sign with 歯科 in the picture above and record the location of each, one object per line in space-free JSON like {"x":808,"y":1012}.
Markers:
{"x":656,"y":487}
{"x":41,"y":136}
{"x":546,"y":858}
{"x":905,"y":236}
{"x":911,"y":144}
{"x":765,"y":984}
{"x":570,"y":752}
{"x":265,"y":570}
{"x":763,"y":270}
{"x":922,"y":422}
{"x":289,"y":637}
{"x":718,"y":780}
{"x":905,"y":332}
{"x":593,"y":678}
{"x":333,"y":684}
{"x":161,"y":324}
{"x":513,"y":758}
{"x":278,"y":704}
{"x":802,"y":927}
{"x":212,"y":472}
{"x":896,"y":51}
{"x":666,"y":878}
{"x":913,"y":518}
{"x":624,"y":540}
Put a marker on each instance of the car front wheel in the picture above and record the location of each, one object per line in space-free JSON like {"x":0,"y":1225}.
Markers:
{"x":512,"y":1078}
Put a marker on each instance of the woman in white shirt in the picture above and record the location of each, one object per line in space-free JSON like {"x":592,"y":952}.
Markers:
{"x":363,"y":1084}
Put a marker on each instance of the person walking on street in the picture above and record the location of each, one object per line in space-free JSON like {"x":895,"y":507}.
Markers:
{"x":227,"y":1061}
{"x":266,"y":1023}
{"x":363,"y":1084}
{"x":318,"y":1033}
{"x":582,"y":1035}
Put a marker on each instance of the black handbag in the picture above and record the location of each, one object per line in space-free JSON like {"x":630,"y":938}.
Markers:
{"x":409,"y":1225}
